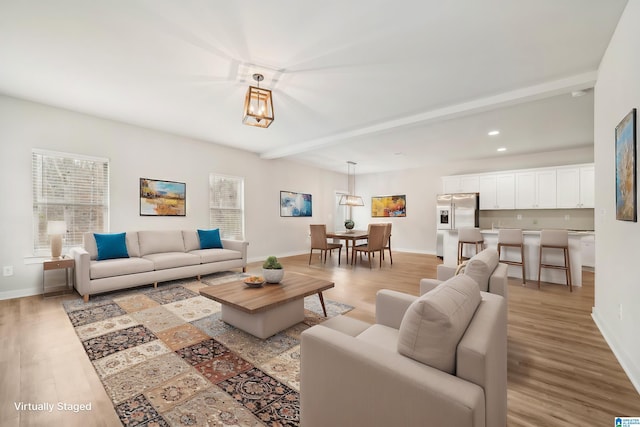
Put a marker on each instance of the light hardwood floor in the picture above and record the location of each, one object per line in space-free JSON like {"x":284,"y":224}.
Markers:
{"x":561,"y":371}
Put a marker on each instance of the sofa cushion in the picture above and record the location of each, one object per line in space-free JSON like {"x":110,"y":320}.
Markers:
{"x":165,"y":260}
{"x":210,"y":239}
{"x":118,"y":267}
{"x":111,"y":245}
{"x":191,"y":240}
{"x":215,"y":255}
{"x":381,"y":336}
{"x":156,"y":241}
{"x":434,"y":323}
{"x":481,"y":266}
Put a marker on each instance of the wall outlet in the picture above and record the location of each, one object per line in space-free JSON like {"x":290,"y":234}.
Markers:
{"x":519,"y":216}
{"x":7,"y":270}
{"x":567,"y":217}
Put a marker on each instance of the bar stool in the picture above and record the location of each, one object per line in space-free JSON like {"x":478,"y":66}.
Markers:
{"x":556,"y":239}
{"x":470,"y":236}
{"x":512,"y":238}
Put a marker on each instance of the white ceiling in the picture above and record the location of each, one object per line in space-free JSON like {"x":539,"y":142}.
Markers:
{"x":386,"y":84}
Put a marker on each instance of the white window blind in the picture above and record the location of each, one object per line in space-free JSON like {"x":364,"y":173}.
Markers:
{"x":226,"y":205}
{"x":70,"y":188}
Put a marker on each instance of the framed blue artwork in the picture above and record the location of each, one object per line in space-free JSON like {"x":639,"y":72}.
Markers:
{"x":295,"y":204}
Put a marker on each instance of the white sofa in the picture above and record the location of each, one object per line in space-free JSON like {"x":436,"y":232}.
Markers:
{"x":154,"y":256}
{"x":484,"y":268}
{"x":420,"y":364}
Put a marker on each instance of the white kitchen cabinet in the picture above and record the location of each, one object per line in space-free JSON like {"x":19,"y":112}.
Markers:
{"x":460,"y":184}
{"x":575,"y":187}
{"x":497,"y":191}
{"x":536,"y":189}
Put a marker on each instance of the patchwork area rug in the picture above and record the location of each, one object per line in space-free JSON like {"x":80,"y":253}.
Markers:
{"x":166,"y":359}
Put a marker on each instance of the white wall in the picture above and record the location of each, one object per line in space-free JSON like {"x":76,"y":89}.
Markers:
{"x":617,"y":281}
{"x":136,"y":152}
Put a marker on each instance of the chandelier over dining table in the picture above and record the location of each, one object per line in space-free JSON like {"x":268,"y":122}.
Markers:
{"x":351,"y":199}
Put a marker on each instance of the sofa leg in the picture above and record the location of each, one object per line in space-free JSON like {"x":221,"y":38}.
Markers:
{"x":198,"y":277}
{"x":155,"y":284}
{"x":85,"y":297}
{"x":244,"y":269}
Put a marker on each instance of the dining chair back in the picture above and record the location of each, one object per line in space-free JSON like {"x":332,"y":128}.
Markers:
{"x":319,"y":242}
{"x":375,"y":243}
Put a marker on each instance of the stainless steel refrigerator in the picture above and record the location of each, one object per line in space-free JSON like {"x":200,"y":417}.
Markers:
{"x":455,"y":211}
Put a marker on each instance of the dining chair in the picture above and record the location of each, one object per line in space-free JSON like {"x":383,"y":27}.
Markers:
{"x":319,"y":241}
{"x":387,"y":241}
{"x":375,"y":243}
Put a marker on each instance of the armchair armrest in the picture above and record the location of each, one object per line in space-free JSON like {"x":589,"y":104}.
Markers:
{"x":499,"y":281}
{"x":427,"y":285}
{"x":391,"y":306}
{"x":378,"y":387}
{"x":445,"y":272}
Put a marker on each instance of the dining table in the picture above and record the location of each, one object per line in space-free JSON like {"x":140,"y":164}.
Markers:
{"x":349,"y":236}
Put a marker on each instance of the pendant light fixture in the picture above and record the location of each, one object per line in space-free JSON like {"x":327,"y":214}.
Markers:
{"x":351,"y":199}
{"x":258,"y":105}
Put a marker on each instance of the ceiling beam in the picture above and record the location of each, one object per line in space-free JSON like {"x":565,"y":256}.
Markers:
{"x":519,"y":96}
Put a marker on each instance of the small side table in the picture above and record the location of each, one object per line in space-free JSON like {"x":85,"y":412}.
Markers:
{"x":66,"y":263}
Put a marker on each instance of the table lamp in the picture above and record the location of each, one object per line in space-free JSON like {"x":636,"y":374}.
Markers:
{"x":55,"y":229}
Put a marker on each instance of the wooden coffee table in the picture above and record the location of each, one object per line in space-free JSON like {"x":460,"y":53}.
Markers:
{"x":265,"y":311}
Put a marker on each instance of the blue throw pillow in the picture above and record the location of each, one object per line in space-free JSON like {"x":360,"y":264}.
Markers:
{"x":111,"y":245}
{"x":210,"y":239}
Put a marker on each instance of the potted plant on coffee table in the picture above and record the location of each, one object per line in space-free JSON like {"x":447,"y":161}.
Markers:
{"x":272,"y":270}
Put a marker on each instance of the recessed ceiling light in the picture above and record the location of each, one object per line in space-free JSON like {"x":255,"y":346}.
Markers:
{"x":494,"y":133}
{"x":501,"y":149}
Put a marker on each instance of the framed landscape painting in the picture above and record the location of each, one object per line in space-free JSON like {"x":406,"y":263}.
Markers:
{"x":162,"y":198}
{"x":626,"y":201}
{"x":386,"y":206}
{"x":295,"y":204}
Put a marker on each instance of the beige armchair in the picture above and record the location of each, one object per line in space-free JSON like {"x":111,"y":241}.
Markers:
{"x":435,"y":360}
{"x":483,"y":267}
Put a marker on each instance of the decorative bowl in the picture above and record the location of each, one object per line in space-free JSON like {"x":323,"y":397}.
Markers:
{"x":254,"y":281}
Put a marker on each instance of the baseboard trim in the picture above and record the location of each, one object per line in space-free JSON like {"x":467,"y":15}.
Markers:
{"x":627,"y":363}
{"x":19,"y":293}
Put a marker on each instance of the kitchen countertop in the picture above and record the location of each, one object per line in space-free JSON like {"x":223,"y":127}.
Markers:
{"x":530,"y":231}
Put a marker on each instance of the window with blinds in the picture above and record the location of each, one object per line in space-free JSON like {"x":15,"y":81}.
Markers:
{"x":71,"y":188}
{"x":226,"y":205}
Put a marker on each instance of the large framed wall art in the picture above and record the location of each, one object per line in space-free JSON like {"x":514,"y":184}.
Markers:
{"x":162,"y":198}
{"x":626,"y":200}
{"x":295,"y":204}
{"x":387,"y":206}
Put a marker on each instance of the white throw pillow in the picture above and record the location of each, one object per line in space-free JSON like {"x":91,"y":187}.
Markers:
{"x":434,"y":323}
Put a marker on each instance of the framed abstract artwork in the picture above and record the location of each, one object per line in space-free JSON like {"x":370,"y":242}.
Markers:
{"x":295,"y":204}
{"x":387,"y":206}
{"x":626,"y":200}
{"x":162,"y":198}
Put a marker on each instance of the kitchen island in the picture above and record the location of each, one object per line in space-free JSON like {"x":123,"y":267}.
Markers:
{"x":531,"y":253}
